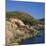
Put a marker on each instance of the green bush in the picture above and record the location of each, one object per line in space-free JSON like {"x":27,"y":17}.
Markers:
{"x":26,"y":18}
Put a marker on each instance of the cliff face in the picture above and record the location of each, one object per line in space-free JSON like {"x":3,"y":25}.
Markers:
{"x":16,"y":31}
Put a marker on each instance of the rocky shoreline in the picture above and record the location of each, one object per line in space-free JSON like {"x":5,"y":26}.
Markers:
{"x":16,"y":31}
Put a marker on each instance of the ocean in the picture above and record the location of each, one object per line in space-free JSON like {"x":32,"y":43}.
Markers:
{"x":36,"y":40}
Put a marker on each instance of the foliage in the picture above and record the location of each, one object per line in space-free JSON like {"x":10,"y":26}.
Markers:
{"x":26,"y":18}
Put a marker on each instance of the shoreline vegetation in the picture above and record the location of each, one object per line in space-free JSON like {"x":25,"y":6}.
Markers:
{"x":21,"y":26}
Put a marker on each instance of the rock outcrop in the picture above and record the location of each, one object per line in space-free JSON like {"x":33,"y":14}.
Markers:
{"x":16,"y":31}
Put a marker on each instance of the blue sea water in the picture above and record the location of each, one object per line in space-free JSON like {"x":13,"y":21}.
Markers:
{"x":36,"y":40}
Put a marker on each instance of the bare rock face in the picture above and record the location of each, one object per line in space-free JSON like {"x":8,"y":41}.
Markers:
{"x":12,"y":31}
{"x":16,"y":31}
{"x":16,"y":21}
